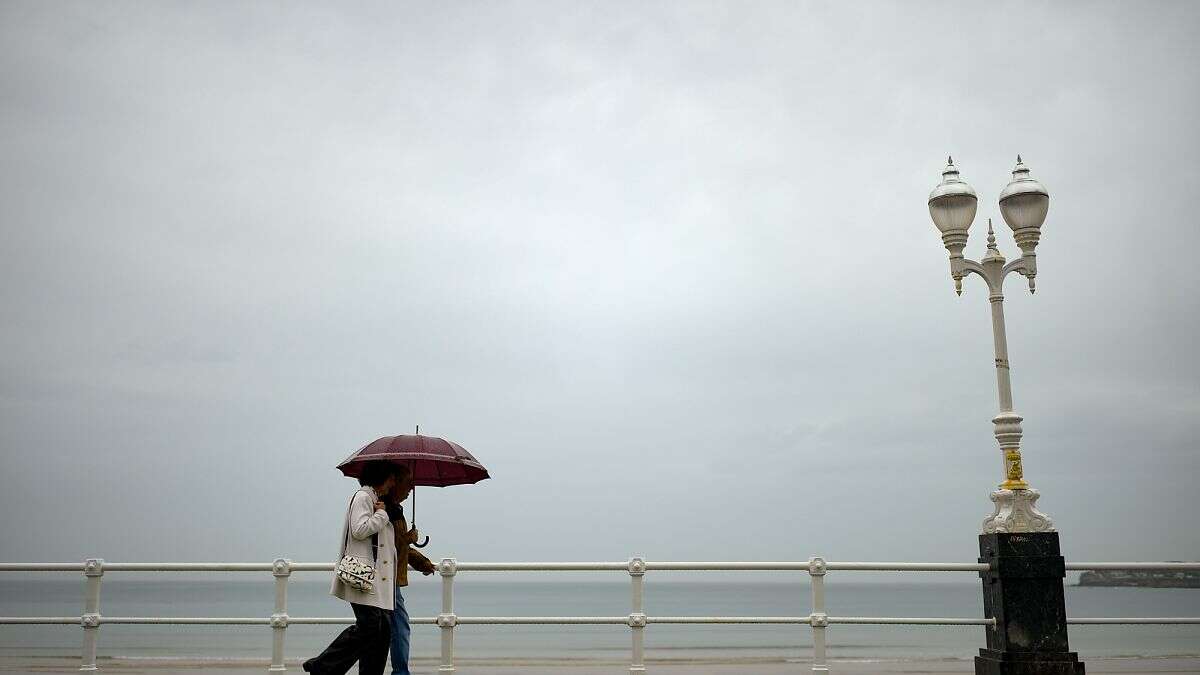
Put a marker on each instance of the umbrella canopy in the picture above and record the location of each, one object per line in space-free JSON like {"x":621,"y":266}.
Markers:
{"x":434,"y":461}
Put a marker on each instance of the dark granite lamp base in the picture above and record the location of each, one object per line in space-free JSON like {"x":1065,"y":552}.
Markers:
{"x":992,"y":662}
{"x":1023,"y":592}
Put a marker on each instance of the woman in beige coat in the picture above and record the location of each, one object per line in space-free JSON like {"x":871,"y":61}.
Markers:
{"x":367,"y":534}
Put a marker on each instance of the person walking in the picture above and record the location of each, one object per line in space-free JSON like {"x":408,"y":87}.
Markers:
{"x":406,"y":556}
{"x":367,"y":535}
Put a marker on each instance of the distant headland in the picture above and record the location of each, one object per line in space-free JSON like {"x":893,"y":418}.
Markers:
{"x":1141,"y":578}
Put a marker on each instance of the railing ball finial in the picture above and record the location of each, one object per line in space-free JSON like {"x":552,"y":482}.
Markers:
{"x":817,"y":566}
{"x":637,"y":566}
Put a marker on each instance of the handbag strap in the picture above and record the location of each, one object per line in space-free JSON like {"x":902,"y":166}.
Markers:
{"x":374,"y":537}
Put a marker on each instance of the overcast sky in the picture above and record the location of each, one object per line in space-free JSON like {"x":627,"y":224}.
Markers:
{"x":666,"y":269}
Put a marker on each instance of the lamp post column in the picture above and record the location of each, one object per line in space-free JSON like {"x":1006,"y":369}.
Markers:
{"x":1003,"y":384}
{"x":1015,"y":500}
{"x":1008,"y":423}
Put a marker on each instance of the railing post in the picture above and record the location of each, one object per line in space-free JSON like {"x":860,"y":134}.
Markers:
{"x":447,"y":620}
{"x":282,"y":570}
{"x":93,"y":572}
{"x":637,"y":618}
{"x":818,"y":619}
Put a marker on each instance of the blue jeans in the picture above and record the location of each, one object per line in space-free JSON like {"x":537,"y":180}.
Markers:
{"x":400,"y":635}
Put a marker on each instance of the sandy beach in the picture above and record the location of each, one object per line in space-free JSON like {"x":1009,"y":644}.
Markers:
{"x":534,"y":667}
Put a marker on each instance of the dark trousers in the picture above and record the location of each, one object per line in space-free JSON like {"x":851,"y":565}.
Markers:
{"x":367,"y":642}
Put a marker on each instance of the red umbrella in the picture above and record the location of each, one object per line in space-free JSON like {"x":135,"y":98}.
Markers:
{"x":433,"y":461}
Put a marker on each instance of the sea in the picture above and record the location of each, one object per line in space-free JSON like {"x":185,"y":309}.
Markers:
{"x":237,"y":596}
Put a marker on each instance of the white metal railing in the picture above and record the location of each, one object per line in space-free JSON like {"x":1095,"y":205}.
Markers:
{"x":94,"y":569}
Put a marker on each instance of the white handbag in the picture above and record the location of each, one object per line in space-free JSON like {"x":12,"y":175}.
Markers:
{"x":355,"y":571}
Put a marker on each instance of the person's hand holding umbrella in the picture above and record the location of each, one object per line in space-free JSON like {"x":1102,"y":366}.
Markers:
{"x":412,"y":536}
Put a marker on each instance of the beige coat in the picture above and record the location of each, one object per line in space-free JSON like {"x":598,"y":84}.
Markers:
{"x":362,"y":521}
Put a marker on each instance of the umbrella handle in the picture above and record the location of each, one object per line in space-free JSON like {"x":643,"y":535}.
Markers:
{"x":414,"y":512}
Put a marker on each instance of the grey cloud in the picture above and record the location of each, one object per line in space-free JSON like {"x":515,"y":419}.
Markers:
{"x":666,"y":268}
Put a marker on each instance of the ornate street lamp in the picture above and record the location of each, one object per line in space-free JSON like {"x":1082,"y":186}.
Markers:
{"x":1023,"y":203}
{"x":1023,"y":585}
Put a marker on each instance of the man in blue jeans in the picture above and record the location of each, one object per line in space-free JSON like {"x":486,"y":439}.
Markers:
{"x":406,"y":556}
